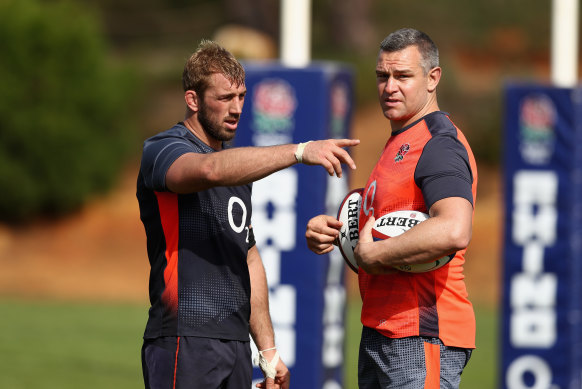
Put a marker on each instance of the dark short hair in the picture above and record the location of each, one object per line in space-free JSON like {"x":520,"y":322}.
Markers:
{"x":405,"y":37}
{"x":210,"y":58}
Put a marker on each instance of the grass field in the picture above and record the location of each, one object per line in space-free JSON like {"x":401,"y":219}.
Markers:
{"x":70,"y":345}
{"x":89,"y":345}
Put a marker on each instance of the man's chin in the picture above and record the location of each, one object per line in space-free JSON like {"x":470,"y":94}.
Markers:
{"x":228,"y":135}
{"x":222,"y":135}
{"x":396,"y":115}
{"x":391,"y":114}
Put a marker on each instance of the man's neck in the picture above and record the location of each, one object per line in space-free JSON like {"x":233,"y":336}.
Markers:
{"x":196,"y":128}
{"x":430,"y":108}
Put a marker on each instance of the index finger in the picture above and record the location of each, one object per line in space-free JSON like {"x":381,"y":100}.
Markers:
{"x":346,"y":142}
{"x":322,"y":223}
{"x":344,"y":157}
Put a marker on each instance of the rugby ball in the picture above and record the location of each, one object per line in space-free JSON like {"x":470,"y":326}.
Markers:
{"x":349,"y":214}
{"x":395,"y":223}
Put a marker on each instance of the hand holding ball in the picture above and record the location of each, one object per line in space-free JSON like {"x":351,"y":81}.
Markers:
{"x":386,"y":226}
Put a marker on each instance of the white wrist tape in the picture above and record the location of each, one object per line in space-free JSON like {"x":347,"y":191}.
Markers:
{"x":299,"y":151}
{"x":269,"y":368}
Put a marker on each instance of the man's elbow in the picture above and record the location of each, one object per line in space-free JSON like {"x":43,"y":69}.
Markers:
{"x":185,"y":181}
{"x":210,"y":174}
{"x":459,"y":238}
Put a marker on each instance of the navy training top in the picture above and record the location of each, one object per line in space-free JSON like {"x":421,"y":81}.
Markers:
{"x":197,"y":246}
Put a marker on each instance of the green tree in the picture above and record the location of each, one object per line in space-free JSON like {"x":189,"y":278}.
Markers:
{"x":64,"y":109}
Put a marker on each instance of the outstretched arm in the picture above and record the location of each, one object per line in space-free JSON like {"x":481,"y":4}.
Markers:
{"x":260,"y":323}
{"x":193,"y":172}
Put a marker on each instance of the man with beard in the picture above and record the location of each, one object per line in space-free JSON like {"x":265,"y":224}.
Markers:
{"x":195,"y":203}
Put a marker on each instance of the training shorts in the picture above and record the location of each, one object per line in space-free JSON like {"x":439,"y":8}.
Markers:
{"x":193,"y":362}
{"x":415,"y":362}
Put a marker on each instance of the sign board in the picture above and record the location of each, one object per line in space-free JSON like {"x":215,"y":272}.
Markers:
{"x":542,"y":299}
{"x":307,"y":291}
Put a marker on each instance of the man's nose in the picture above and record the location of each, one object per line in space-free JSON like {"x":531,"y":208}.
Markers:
{"x":236,"y":106}
{"x":390,"y":85}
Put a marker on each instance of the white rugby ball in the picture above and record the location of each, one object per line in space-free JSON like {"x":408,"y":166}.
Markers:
{"x":349,"y":214}
{"x":395,"y":223}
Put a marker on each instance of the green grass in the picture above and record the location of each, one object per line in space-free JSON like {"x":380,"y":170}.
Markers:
{"x":70,"y":345}
{"x":88,"y":345}
{"x":482,"y":370}
{"x":480,"y":373}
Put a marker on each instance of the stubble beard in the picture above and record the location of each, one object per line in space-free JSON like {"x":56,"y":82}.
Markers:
{"x":212,"y":128}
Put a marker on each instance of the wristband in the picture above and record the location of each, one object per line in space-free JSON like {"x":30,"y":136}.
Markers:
{"x":299,"y":151}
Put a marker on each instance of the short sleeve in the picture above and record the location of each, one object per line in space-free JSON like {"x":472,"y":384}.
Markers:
{"x":443,"y":170}
{"x":158,"y":155}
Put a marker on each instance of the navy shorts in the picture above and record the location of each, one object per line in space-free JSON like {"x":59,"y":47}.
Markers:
{"x":193,"y":362}
{"x":409,"y":363}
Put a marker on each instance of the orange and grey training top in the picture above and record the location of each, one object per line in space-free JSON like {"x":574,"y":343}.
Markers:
{"x":421,"y":164}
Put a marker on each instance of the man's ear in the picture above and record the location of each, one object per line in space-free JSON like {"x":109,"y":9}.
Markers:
{"x":434,"y":76}
{"x":192,"y":101}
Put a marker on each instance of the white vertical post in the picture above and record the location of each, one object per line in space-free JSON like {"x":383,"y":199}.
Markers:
{"x":564,"y":43}
{"x":295,"y":32}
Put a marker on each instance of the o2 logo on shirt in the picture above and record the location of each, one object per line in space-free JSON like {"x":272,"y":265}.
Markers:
{"x":369,"y":199}
{"x":237,"y":228}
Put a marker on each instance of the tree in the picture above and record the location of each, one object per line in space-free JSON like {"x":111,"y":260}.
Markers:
{"x":63,"y":109}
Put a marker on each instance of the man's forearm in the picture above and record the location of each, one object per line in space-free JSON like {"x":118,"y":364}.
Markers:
{"x":232,"y":167}
{"x":261,"y":327}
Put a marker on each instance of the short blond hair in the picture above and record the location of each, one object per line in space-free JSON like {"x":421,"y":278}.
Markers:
{"x":210,"y":58}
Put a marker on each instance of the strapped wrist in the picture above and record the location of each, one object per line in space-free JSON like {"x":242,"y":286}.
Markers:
{"x":269,"y":368}
{"x":299,"y":151}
